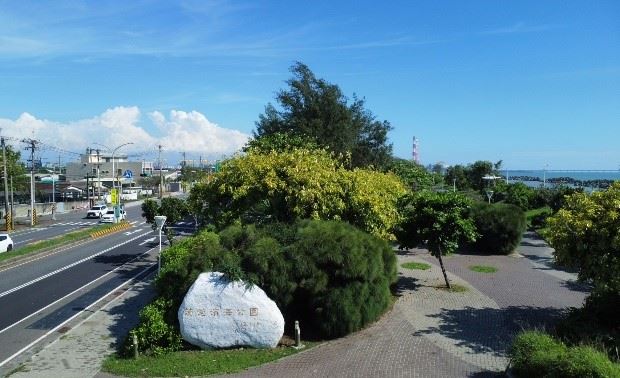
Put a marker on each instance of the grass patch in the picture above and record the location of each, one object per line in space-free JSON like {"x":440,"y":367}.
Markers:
{"x":416,"y":265}
{"x":196,"y":363}
{"x":454,"y":288}
{"x":54,"y":242}
{"x":483,"y":268}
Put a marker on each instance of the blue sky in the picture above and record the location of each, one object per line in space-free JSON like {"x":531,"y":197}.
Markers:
{"x":533,"y":83}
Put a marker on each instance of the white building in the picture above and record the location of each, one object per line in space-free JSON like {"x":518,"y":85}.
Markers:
{"x":101,"y":168}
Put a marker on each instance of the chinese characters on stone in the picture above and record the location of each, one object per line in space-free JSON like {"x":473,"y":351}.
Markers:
{"x":217,"y":312}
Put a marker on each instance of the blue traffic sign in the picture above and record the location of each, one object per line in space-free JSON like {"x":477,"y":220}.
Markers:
{"x":128,"y":174}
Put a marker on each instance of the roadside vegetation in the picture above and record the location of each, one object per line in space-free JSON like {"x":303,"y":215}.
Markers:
{"x":584,"y":233}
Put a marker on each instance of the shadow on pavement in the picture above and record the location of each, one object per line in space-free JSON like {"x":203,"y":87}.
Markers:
{"x":490,"y":330}
{"x":487,"y":374}
{"x":125,"y":315}
{"x":577,"y":286}
{"x":405,"y":284}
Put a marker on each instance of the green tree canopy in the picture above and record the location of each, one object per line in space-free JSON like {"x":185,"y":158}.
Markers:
{"x":175,"y":209}
{"x":316,"y":109}
{"x":413,"y":175}
{"x":585,"y":233}
{"x":280,"y":142}
{"x":471,"y":176}
{"x":298,"y":184}
{"x":439,"y":220}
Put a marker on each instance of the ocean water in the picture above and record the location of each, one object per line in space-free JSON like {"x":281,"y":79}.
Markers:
{"x":575,"y":174}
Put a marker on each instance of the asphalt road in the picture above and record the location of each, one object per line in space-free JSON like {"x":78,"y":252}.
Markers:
{"x":38,"y":296}
{"x":63,"y":224}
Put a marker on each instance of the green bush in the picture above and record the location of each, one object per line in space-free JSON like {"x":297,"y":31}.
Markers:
{"x":182,"y":263}
{"x":595,"y":323}
{"x":585,"y":361}
{"x":284,"y":186}
{"x":500,"y":227}
{"x":536,"y":354}
{"x":329,"y":275}
{"x":539,"y":220}
{"x":155,"y":333}
{"x":344,"y":276}
{"x":519,"y":194}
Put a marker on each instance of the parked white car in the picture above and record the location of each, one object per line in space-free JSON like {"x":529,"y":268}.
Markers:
{"x":6,"y":243}
{"x":108,"y":217}
{"x":97,"y":211}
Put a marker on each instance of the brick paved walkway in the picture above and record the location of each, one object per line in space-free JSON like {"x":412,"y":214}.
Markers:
{"x":430,"y":332}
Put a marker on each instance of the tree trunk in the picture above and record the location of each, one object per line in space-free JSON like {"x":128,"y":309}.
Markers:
{"x":443,"y":270}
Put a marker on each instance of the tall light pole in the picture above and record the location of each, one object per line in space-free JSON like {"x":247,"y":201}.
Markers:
{"x":545,"y":175}
{"x":116,"y":205}
{"x":160,"y":220}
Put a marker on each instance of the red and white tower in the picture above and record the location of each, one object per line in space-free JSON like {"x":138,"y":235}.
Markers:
{"x":416,"y":150}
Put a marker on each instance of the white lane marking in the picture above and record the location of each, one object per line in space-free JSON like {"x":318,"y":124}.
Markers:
{"x":68,"y":266}
{"x":26,"y":232}
{"x":133,"y":222}
{"x":23,"y":241}
{"x":74,"y":316}
{"x":151,"y":240}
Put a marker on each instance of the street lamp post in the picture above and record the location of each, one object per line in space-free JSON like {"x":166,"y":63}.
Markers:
{"x":116,"y":205}
{"x":160,"y":220}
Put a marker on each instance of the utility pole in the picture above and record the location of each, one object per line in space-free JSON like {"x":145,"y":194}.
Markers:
{"x":87,"y":190}
{"x":7,"y":214}
{"x":32,"y":146}
{"x":12,"y":211}
{"x":98,"y":178}
{"x":161,"y":177}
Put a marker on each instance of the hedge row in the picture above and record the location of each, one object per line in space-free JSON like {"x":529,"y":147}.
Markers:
{"x":500,"y":227}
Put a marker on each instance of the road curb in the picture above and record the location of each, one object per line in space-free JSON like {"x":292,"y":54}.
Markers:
{"x":117,"y":227}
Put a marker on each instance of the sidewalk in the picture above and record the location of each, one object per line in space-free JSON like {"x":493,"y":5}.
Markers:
{"x":430,"y":332}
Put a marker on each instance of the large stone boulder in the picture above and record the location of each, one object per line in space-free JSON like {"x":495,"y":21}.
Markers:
{"x":219,"y":313}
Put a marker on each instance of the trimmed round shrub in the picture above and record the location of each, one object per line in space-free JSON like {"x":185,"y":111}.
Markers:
{"x":500,"y":227}
{"x":344,"y":277}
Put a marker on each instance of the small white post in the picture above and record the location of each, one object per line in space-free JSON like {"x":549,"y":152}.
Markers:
{"x":159,"y":222}
{"x":297,"y":333}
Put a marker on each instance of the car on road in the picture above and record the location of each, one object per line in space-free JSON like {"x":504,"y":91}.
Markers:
{"x":6,"y":243}
{"x":108,"y":217}
{"x":97,"y":211}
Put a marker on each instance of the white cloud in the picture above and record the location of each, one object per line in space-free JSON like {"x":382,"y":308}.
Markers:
{"x":192,"y":131}
{"x":183,"y":131}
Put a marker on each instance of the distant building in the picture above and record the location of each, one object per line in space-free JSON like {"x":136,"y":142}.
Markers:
{"x":97,"y":165}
